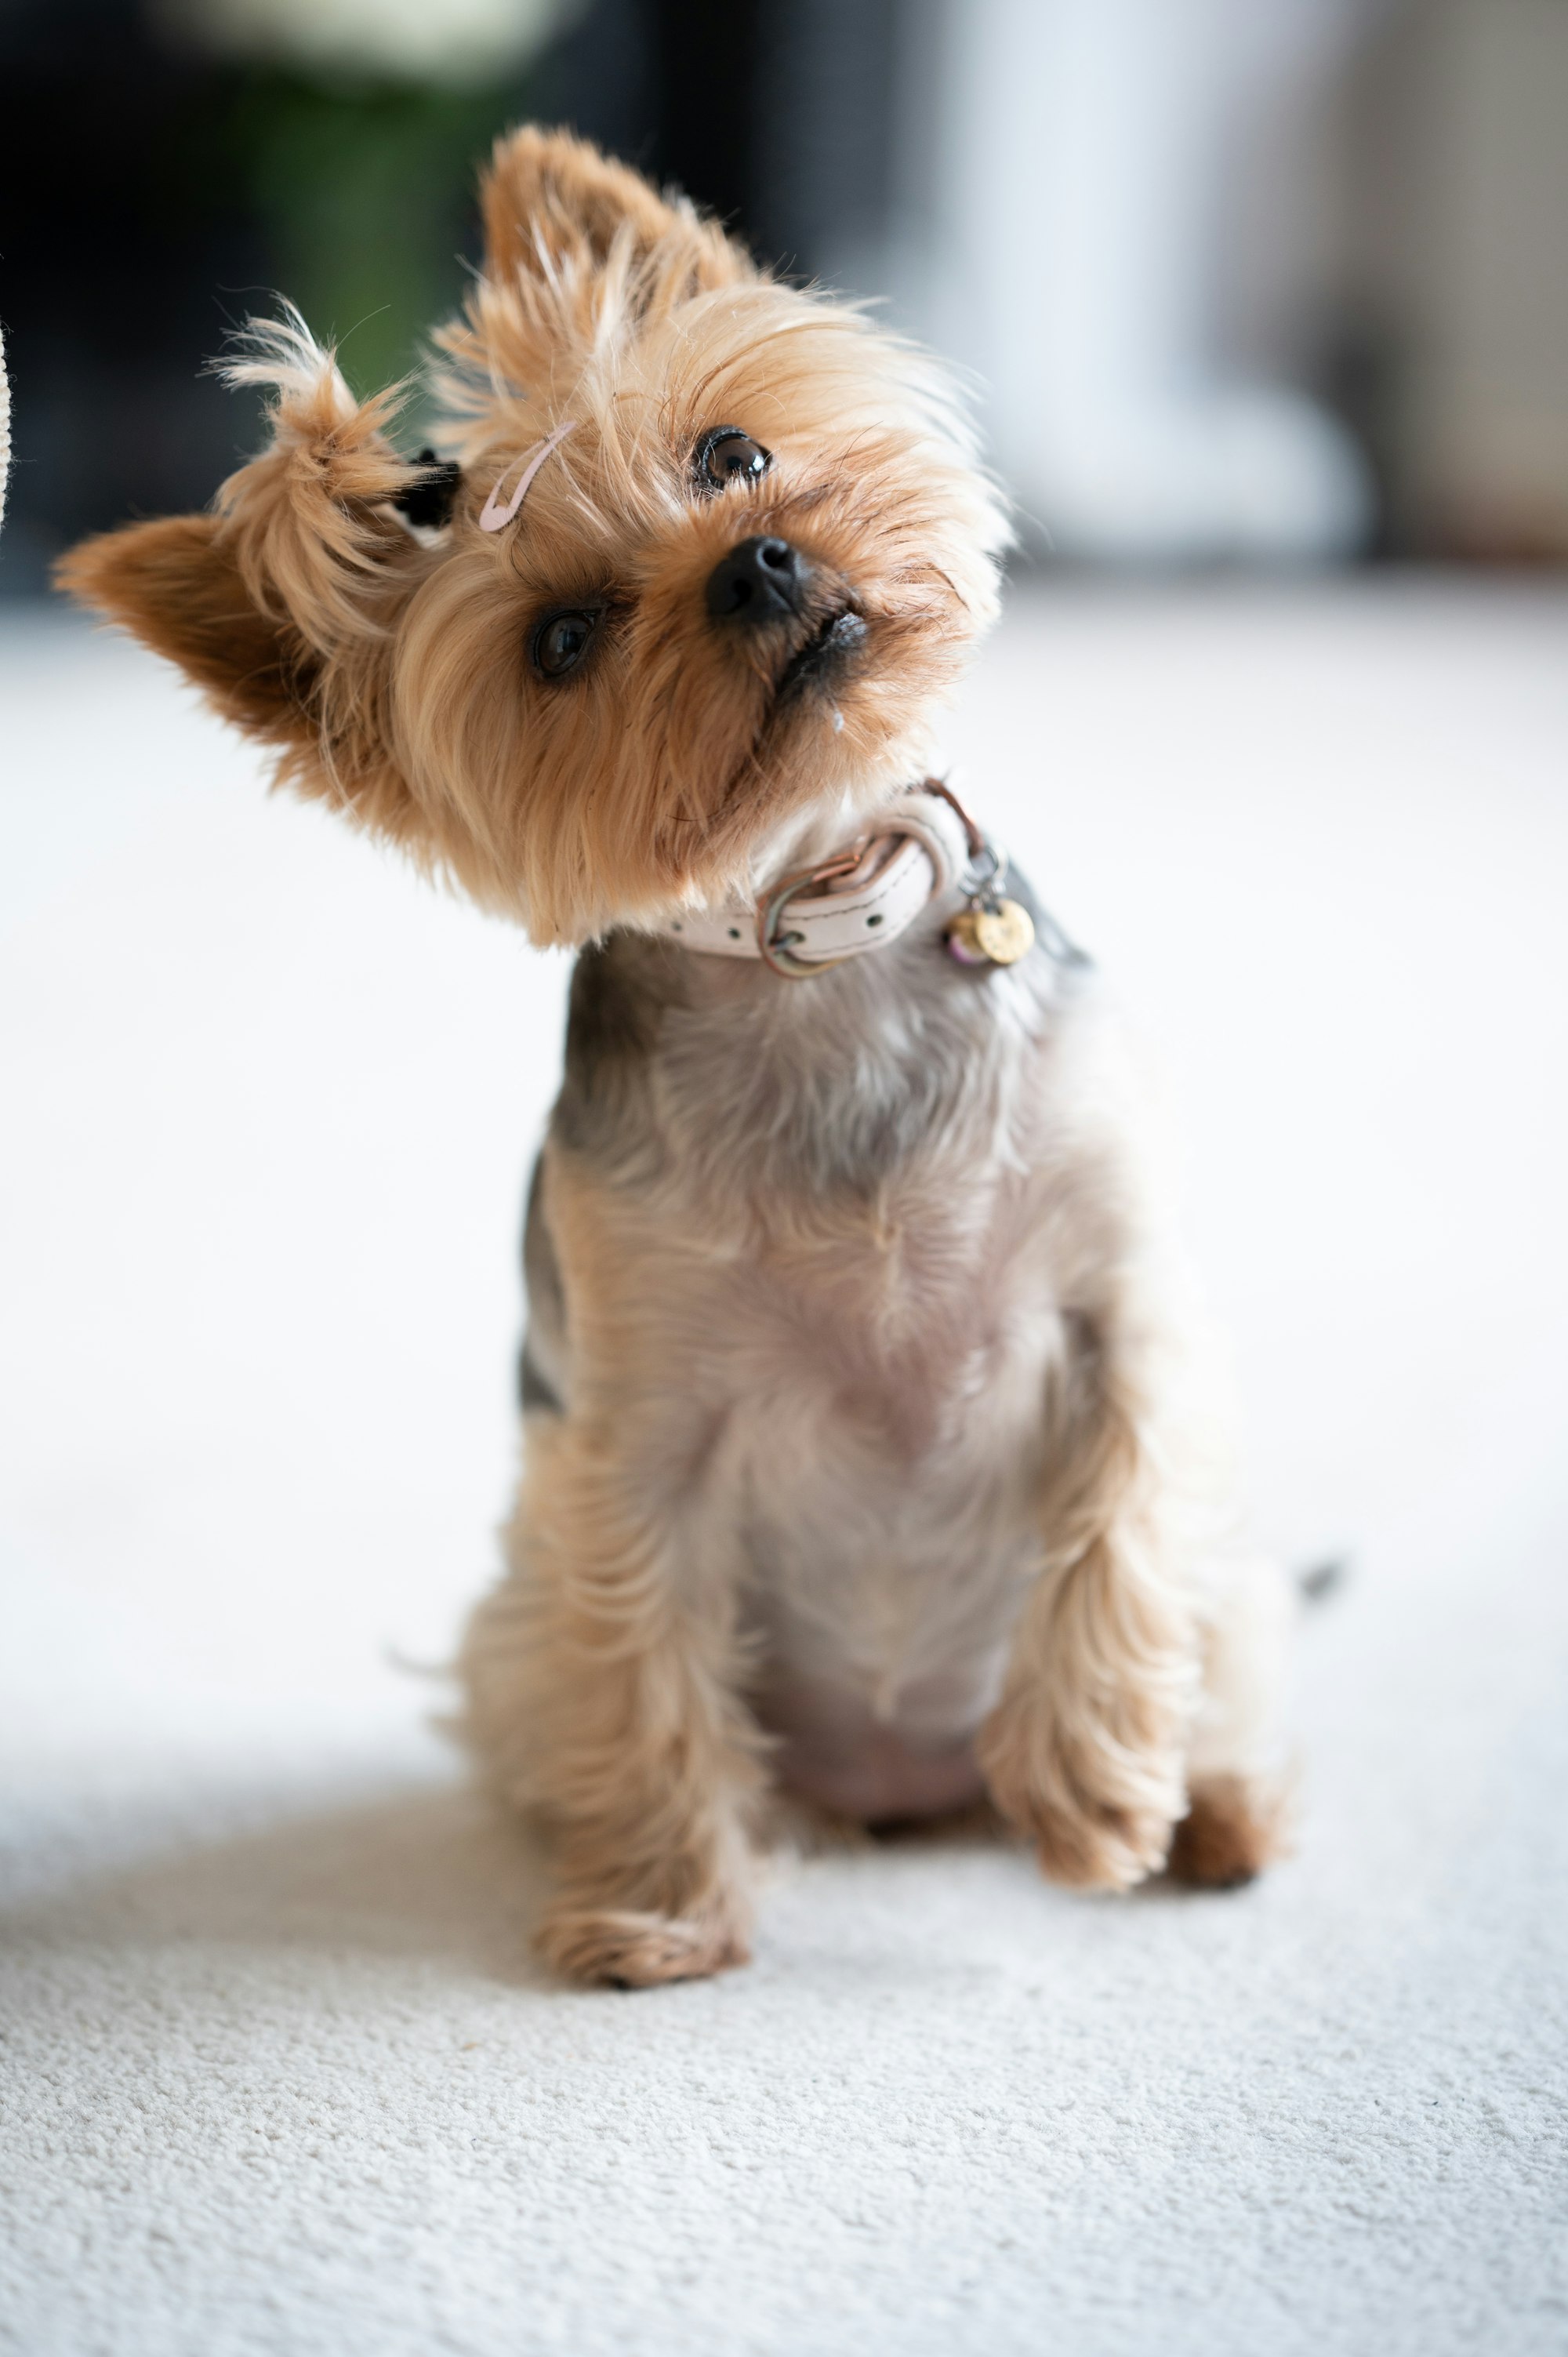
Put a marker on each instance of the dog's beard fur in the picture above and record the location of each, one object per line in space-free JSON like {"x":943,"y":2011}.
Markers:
{"x":393,"y":672}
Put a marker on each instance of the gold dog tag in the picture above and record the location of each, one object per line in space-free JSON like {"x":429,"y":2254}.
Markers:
{"x":999,"y":935}
{"x":1005,"y":934}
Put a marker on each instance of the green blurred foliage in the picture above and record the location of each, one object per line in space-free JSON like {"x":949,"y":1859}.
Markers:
{"x":366,"y":198}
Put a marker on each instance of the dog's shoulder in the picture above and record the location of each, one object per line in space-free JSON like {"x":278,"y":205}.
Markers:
{"x":622,"y":988}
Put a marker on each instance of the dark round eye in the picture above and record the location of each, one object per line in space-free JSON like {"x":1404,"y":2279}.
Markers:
{"x":561,"y":641}
{"x":726,"y":454}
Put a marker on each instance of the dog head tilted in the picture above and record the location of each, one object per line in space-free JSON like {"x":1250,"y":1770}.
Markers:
{"x":710,"y":553}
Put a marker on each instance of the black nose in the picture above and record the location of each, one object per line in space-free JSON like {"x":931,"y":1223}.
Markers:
{"x":757,"y":582}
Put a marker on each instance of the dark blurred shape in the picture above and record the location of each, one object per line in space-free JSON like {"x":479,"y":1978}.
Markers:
{"x":1321,"y":1580}
{"x":152,"y":195}
{"x":120,"y":219}
{"x":707,"y":59}
{"x":429,"y":498}
{"x":1369,"y":223}
{"x":781,"y":116}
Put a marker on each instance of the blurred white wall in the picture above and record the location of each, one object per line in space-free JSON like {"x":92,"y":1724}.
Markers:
{"x":1074,"y":173}
{"x":1168,"y":234}
{"x":1267,"y":281}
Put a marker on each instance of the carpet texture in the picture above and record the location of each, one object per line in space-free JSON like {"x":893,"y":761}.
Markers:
{"x":277,"y":2073}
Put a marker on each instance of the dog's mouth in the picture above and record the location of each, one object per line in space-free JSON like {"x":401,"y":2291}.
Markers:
{"x":826,"y":654}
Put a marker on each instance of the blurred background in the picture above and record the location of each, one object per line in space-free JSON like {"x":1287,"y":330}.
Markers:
{"x":1243,"y":281}
{"x":1266,"y":303}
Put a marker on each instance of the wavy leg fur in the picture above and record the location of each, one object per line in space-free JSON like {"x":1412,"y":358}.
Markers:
{"x":613,"y":1719}
{"x":608,"y":1700}
{"x":1085,"y":1752}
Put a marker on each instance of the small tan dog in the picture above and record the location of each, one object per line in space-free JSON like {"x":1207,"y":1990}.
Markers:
{"x":854,"y":1463}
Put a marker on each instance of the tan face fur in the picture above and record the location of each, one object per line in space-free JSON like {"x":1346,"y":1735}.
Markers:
{"x":396,"y":674}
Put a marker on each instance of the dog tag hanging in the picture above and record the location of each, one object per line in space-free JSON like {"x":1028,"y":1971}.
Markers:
{"x":990,"y":929}
{"x":991,"y":932}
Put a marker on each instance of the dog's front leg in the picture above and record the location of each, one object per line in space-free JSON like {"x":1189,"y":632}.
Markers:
{"x":606,"y":1709}
{"x":1084,"y":1751}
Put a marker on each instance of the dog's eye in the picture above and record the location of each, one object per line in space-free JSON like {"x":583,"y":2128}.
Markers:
{"x":726,"y":454}
{"x":561,"y":641}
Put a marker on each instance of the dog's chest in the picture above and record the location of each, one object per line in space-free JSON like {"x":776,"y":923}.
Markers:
{"x":850,"y":1202}
{"x":882,"y":1450}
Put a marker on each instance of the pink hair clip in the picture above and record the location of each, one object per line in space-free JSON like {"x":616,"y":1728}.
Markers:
{"x":493,"y":517}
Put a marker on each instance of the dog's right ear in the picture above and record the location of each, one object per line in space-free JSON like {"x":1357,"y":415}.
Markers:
{"x":177,"y":586}
{"x":282,"y":603}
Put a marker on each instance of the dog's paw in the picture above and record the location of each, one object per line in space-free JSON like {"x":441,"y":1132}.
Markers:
{"x":1230,"y":1833}
{"x":1099,"y":1849}
{"x":630,"y":1948}
{"x":1098,"y":1819}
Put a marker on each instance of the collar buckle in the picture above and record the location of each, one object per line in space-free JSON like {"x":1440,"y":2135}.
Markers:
{"x":775,"y":947}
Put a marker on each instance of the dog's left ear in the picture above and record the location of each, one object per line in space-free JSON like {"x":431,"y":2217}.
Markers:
{"x":555,"y":208}
{"x":282,"y":603}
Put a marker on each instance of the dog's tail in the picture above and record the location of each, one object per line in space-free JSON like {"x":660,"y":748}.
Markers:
{"x":1316,"y":1582}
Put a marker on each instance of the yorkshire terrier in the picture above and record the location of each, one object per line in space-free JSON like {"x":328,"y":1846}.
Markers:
{"x":857,"y":1458}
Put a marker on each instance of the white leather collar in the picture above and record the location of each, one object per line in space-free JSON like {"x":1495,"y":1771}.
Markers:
{"x":910,"y":853}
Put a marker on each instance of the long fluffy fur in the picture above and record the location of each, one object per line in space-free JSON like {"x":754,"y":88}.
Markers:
{"x":855,"y":1455}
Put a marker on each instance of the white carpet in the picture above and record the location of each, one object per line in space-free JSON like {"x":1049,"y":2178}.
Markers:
{"x":277,"y":2075}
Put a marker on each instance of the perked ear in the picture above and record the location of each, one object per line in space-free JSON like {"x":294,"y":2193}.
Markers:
{"x":551,"y":201}
{"x":177,"y":586}
{"x":279,"y":603}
